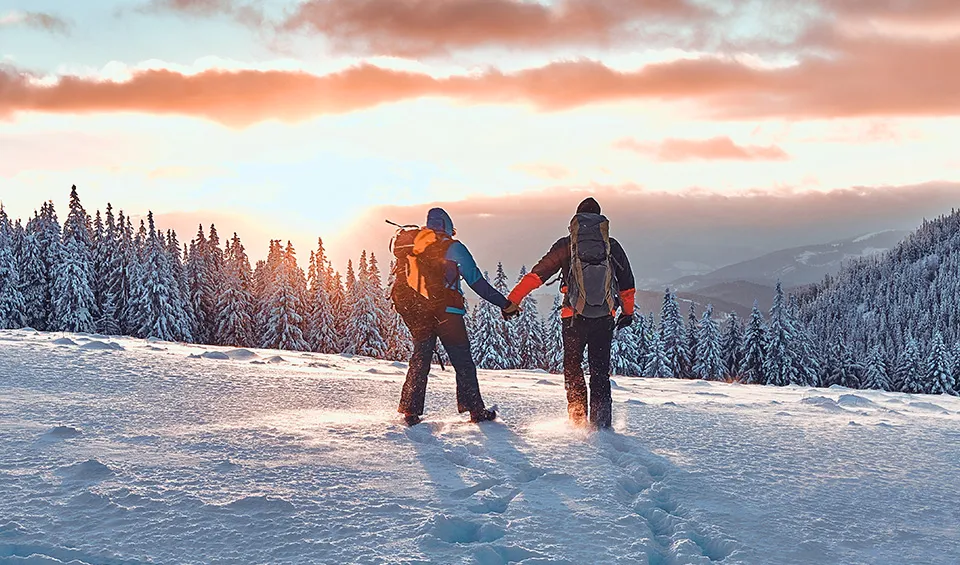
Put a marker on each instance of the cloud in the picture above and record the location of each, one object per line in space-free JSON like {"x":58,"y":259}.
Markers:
{"x":37,"y":20}
{"x":415,"y":27}
{"x":247,"y":14}
{"x":871,"y":77}
{"x":660,"y":229}
{"x":543,"y":170}
{"x":717,"y":148}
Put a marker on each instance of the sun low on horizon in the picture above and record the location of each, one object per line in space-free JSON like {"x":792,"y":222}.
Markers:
{"x":294,"y":119}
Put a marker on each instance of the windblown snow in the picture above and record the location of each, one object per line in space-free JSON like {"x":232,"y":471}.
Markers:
{"x":130,"y":451}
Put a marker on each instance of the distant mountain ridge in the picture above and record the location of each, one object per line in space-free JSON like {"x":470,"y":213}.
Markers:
{"x":794,"y":267}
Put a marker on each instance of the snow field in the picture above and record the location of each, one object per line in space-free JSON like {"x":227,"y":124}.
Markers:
{"x":118,"y":450}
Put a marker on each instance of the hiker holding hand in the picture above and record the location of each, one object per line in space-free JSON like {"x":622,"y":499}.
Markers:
{"x":427,"y":295}
{"x":596,"y":279}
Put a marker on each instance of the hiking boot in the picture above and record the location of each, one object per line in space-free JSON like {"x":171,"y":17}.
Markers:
{"x":482,"y":415}
{"x":411,"y":419}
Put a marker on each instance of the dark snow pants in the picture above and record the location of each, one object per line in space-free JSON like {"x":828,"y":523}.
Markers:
{"x":452,"y":332}
{"x":595,"y":334}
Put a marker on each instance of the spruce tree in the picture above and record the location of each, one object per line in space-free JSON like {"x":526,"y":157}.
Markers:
{"x":200,"y":291}
{"x":909,"y":374}
{"x":73,"y":300}
{"x":956,"y":366}
{"x":732,"y":348}
{"x":709,"y":359}
{"x":529,"y":345}
{"x":755,"y":349}
{"x":11,"y":298}
{"x":33,"y":279}
{"x":782,"y":360}
{"x":159,"y":309}
{"x":672,"y":335}
{"x":109,"y":274}
{"x":490,"y":346}
{"x":938,"y":377}
{"x":658,"y":362}
{"x":693,"y":331}
{"x":284,"y":312}
{"x":234,"y":306}
{"x":366,"y":315}
{"x":876,"y":377}
{"x":554,"y":341}
{"x":842,"y":368}
{"x":321,"y":324}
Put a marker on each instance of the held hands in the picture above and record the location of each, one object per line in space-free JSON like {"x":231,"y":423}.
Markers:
{"x":624,"y":320}
{"x":510,"y":310}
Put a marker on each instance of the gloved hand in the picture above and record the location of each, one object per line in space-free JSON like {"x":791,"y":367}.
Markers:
{"x":624,"y":320}
{"x":510,"y":310}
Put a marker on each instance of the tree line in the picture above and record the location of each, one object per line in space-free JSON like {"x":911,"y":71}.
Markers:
{"x":100,"y":275}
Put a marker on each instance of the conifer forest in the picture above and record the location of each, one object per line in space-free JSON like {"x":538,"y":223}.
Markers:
{"x":889,"y":322}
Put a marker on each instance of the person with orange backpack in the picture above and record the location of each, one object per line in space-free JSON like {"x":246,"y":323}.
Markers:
{"x":596,"y":280}
{"x":426,"y":293}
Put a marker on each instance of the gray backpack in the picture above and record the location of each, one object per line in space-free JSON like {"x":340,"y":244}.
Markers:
{"x":592,"y":280}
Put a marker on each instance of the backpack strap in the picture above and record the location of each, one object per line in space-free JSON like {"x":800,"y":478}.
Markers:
{"x":608,"y":282}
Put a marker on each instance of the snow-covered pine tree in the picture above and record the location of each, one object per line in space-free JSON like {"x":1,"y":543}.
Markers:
{"x":641,"y":328}
{"x":490,"y":345}
{"x":213,"y":277}
{"x":510,"y":352}
{"x":321,"y":324}
{"x":284,"y":312}
{"x":672,"y":335}
{"x":130,"y":276}
{"x":11,"y":298}
{"x":108,"y":269}
{"x":623,"y":354}
{"x":807,"y":360}
{"x":755,"y":349}
{"x":909,"y":376}
{"x":782,"y":358}
{"x":160,"y":312}
{"x":73,"y":300}
{"x":693,"y":331}
{"x":709,"y":359}
{"x":33,"y":278}
{"x":658,"y":362}
{"x":235,"y":315}
{"x":956,"y":366}
{"x":341,"y":310}
{"x":876,"y":377}
{"x":842,"y":369}
{"x":196,"y":271}
{"x":529,"y":346}
{"x":554,"y":339}
{"x":366,"y":327}
{"x":938,"y":377}
{"x":38,"y":294}
{"x":178,"y":257}
{"x":732,"y":348}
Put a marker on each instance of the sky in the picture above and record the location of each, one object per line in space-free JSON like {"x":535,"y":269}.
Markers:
{"x":295,"y":119}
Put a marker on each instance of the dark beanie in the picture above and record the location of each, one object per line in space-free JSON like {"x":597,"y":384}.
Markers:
{"x":588,"y":206}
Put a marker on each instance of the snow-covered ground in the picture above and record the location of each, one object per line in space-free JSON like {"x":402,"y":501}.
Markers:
{"x":123,"y":451}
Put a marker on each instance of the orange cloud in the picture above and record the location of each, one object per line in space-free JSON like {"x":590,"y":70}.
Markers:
{"x":414,"y":27}
{"x":868,"y":77}
{"x":717,"y":148}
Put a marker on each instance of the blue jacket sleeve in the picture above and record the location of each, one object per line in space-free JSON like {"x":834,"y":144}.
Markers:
{"x":459,"y":254}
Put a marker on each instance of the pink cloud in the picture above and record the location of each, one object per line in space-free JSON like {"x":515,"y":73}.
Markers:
{"x":716,"y":148}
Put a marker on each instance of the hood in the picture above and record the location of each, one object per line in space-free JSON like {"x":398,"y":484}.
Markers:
{"x":439,"y":220}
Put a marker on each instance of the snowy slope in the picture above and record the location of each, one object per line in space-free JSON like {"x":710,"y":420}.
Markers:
{"x":122,"y":451}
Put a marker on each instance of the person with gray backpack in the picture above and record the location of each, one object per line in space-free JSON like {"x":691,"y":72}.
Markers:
{"x":596,"y":281}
